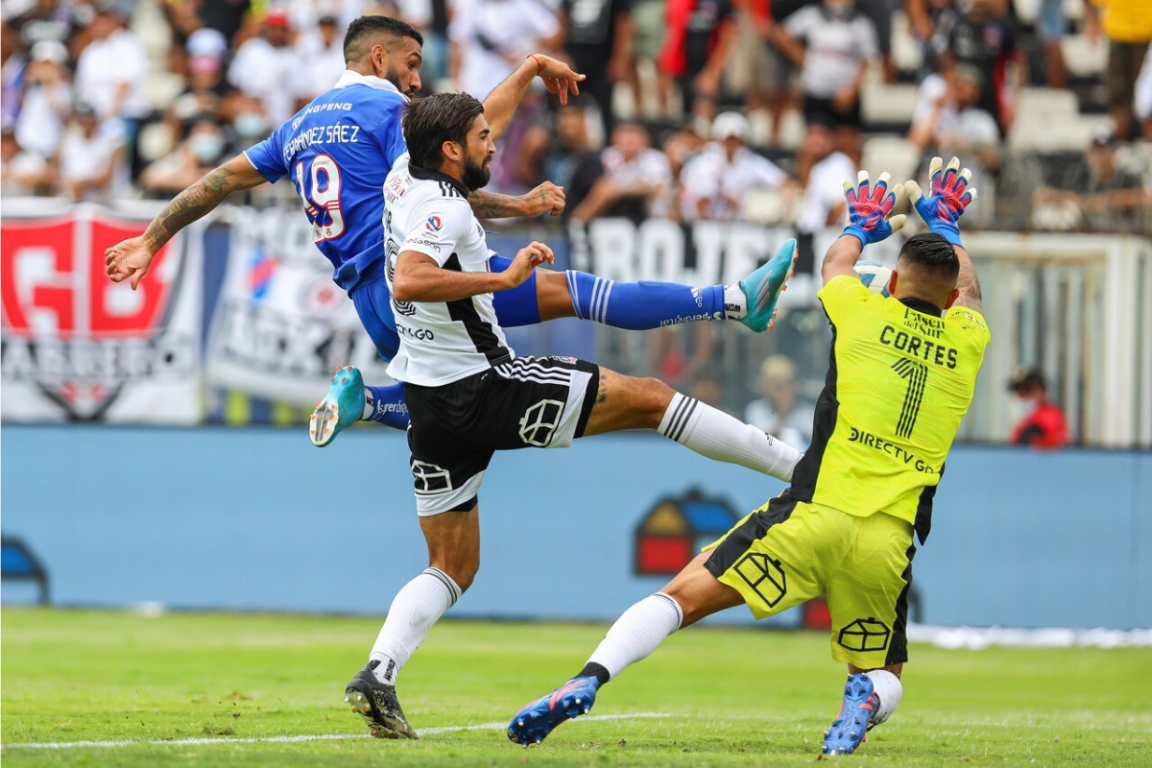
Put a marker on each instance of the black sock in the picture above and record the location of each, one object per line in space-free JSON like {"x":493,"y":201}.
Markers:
{"x":598,"y":671}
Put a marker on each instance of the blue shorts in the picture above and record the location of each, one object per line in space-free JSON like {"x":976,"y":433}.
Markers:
{"x":373,"y":303}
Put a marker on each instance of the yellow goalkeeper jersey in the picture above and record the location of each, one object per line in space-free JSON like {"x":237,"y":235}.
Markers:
{"x":900,"y":379}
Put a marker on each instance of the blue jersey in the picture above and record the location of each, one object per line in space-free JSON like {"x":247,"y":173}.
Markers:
{"x":338,"y":150}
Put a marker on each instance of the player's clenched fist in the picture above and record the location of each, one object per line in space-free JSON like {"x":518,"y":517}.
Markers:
{"x":128,"y":260}
{"x":950,"y":195}
{"x":545,"y":198}
{"x":868,"y":207}
{"x":527,"y":260}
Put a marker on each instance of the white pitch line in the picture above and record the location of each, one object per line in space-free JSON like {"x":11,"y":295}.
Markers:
{"x":295,"y":739}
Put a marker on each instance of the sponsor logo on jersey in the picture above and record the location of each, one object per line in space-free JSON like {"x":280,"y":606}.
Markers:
{"x":433,"y":224}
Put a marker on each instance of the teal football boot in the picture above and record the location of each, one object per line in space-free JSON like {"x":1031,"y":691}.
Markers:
{"x":341,"y":406}
{"x":763,"y":287}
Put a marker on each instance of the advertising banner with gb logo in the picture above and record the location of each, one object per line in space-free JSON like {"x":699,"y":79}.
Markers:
{"x":281,"y":325}
{"x":77,"y":347}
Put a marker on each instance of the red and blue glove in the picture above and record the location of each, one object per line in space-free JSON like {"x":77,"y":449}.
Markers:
{"x":951,"y":194}
{"x":867,"y":209}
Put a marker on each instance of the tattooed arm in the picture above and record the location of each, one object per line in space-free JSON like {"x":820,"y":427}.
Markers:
{"x":545,"y":198}
{"x":968,"y":283}
{"x":130,"y":259}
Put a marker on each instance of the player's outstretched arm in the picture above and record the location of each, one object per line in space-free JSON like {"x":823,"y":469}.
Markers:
{"x":130,"y":259}
{"x":419,"y":278}
{"x":501,"y":104}
{"x":867,"y":223}
{"x":941,"y":210}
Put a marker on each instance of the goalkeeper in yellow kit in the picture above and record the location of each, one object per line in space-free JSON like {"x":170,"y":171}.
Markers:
{"x":901,"y":376}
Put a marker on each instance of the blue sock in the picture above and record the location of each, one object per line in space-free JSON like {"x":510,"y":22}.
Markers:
{"x":389,"y":407}
{"x":643,"y":305}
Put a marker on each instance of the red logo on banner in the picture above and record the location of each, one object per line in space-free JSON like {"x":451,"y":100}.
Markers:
{"x":70,"y":330}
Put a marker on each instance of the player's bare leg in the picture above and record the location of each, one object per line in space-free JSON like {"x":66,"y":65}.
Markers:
{"x":624,"y":402}
{"x":693,"y":594}
{"x":870,"y":698}
{"x":453,"y":559}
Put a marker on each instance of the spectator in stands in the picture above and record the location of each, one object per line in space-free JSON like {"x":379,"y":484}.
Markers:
{"x":1128,"y":26}
{"x":823,"y":204}
{"x":764,"y":72}
{"x":250,"y":124}
{"x":206,"y":88}
{"x":231,"y":18}
{"x":648,"y":31}
{"x":198,"y":154}
{"x":47,"y":20}
{"x":1101,"y":194}
{"x":1113,"y":197}
{"x":717,"y":182}
{"x":266,"y":67}
{"x":708,"y":388}
{"x":779,"y":412}
{"x":323,"y":57}
{"x":948,"y":119}
{"x":111,"y":70}
{"x":562,"y":152}
{"x":1050,"y":30}
{"x":1040,"y":422}
{"x":91,"y":156}
{"x":699,"y":36}
{"x":924,"y":17}
{"x":598,"y":36}
{"x":47,"y":99}
{"x":637,"y":180}
{"x":22,"y":173}
{"x":833,"y":44}
{"x":489,"y":39}
{"x":984,"y":37}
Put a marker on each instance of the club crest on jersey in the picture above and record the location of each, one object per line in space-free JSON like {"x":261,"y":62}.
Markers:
{"x":433,"y":224}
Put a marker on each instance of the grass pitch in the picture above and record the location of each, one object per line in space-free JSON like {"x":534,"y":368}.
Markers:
{"x":728,"y":697}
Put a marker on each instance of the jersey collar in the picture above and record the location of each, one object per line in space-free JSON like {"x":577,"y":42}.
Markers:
{"x":355,"y":78}
{"x":922,"y":305}
{"x":423,"y":173}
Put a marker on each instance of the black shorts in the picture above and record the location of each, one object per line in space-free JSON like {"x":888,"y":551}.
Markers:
{"x":524,"y":403}
{"x":823,"y":112}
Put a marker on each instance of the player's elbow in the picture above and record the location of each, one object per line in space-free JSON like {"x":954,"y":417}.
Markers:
{"x":405,"y":287}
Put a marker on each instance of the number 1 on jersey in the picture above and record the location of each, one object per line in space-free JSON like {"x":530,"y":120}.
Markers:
{"x":325,"y":178}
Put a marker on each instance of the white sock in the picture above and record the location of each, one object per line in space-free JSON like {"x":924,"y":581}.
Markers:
{"x":369,"y":405}
{"x":888,"y":690}
{"x":713,"y":433}
{"x":638,"y":632}
{"x":735,"y":302}
{"x":414,"y":610}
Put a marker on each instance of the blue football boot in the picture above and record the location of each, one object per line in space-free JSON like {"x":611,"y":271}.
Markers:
{"x":535,"y":721}
{"x":763,"y":287}
{"x":855,"y":718}
{"x":341,"y":406}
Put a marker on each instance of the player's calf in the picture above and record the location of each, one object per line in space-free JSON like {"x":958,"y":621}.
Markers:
{"x":623,"y":402}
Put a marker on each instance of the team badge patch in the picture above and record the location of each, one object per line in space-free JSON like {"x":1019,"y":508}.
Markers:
{"x":865,"y":635}
{"x":563,"y":359}
{"x":765,"y":576}
{"x":434,"y":224}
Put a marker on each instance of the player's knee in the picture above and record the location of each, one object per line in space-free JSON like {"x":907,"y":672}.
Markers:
{"x":652,"y":399}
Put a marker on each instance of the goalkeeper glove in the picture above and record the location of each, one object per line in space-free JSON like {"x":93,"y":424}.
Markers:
{"x":867,"y":209}
{"x":951,"y":194}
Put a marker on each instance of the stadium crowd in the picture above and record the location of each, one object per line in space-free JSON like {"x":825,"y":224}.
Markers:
{"x":722,"y":110}
{"x":693,"y":109}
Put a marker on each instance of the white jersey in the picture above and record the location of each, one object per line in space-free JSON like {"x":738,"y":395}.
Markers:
{"x":442,"y":341}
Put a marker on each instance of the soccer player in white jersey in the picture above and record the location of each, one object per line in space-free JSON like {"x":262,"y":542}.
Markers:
{"x":469,"y":395}
{"x":338,"y":150}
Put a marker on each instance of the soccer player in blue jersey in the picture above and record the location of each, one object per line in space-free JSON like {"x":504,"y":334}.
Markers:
{"x":338,"y":150}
